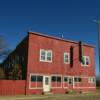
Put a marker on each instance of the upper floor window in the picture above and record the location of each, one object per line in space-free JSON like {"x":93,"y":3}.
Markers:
{"x":66,"y":58}
{"x":85,"y":61}
{"x":45,"y":55}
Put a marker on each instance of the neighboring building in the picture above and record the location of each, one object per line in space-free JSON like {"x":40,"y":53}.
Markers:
{"x":51,"y":64}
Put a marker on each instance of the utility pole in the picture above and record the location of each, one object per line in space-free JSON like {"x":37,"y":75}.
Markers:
{"x":98,"y":30}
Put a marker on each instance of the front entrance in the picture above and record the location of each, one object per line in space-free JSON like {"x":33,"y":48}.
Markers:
{"x":46,"y":83}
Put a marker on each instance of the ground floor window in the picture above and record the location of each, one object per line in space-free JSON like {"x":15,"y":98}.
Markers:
{"x":56,"y":81}
{"x":36,"y":81}
{"x":36,"y":78}
{"x":77,"y":79}
{"x":70,"y":80}
{"x":59,"y":81}
{"x":65,"y":79}
{"x":56,"y":78}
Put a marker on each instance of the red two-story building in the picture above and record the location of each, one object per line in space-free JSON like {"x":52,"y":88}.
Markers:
{"x":55,"y":65}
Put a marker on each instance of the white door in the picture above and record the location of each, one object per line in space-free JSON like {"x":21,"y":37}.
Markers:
{"x":46,"y":83}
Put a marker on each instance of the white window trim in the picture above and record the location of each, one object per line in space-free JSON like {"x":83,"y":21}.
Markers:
{"x":51,"y":55}
{"x":65,"y":82}
{"x":45,"y":55}
{"x":66,"y":53}
{"x":89,"y":78}
{"x":40,"y":54}
{"x":77,"y":87}
{"x":85,"y":61}
{"x":77,"y":77}
{"x":56,"y":82}
{"x":36,"y":82}
{"x":62,"y":81}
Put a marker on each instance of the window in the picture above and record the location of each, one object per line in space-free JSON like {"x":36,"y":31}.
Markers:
{"x":48,"y":55}
{"x":45,"y":55}
{"x":77,"y":79}
{"x":56,"y":78}
{"x":33,"y":78}
{"x":36,"y":78}
{"x":70,"y":80}
{"x":36,"y":81}
{"x":85,"y":60}
{"x":91,"y":80}
{"x":39,"y":78}
{"x":56,"y":81}
{"x":65,"y":79}
{"x":42,"y":54}
{"x":66,"y":58}
{"x":46,"y":81}
{"x":53,"y":78}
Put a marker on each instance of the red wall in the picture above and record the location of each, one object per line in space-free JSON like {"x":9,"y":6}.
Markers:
{"x":12,"y":87}
{"x":57,"y":66}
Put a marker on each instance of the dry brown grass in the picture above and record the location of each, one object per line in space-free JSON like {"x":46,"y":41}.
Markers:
{"x":88,"y":96}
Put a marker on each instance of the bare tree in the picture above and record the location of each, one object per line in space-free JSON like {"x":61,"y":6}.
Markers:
{"x":4,"y":51}
{"x":2,"y":73}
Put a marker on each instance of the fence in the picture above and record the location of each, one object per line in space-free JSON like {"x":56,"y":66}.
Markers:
{"x":12,"y":87}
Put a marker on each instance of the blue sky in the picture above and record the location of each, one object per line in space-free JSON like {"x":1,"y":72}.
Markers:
{"x":72,"y":17}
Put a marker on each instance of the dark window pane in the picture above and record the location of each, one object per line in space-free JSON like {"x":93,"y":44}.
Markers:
{"x":42,"y":57}
{"x":39,"y":78}
{"x":87,"y":63}
{"x":80,"y":80}
{"x":58,"y":79}
{"x":54,"y":78}
{"x":48,"y":58}
{"x":65,"y":79}
{"x":83,"y":60}
{"x":33,"y":78}
{"x":46,"y":81}
{"x":70,"y":81}
{"x":75,"y":79}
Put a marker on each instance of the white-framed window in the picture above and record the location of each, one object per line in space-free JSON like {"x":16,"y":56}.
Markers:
{"x":45,"y":55}
{"x":57,"y":80}
{"x":85,"y":61}
{"x":91,"y":80}
{"x":65,"y":79}
{"x":49,"y":55}
{"x":66,"y":58}
{"x":42,"y":55}
{"x":36,"y":78}
{"x":36,"y":81}
{"x":77,"y":79}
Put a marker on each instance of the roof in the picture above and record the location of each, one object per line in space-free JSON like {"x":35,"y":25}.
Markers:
{"x":58,"y":38}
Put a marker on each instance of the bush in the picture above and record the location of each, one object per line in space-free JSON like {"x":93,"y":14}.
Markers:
{"x":71,"y":92}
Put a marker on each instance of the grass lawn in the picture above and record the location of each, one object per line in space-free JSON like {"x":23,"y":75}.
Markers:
{"x":87,"y":96}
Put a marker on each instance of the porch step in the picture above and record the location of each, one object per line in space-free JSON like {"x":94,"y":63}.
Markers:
{"x":47,"y":93}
